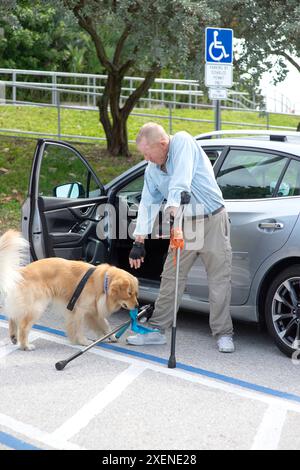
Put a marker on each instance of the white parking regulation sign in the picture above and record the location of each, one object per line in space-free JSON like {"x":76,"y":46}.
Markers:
{"x":218,"y":75}
{"x":217,"y":93}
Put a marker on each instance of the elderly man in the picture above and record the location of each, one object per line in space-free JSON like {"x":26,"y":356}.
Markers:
{"x":178,"y":164}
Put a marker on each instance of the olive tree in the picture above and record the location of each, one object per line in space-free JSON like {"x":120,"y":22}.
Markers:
{"x":138,"y":37}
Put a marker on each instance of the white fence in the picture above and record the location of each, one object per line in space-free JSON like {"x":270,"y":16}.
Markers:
{"x":89,"y":86}
{"x":164,"y":90}
{"x":80,"y":91}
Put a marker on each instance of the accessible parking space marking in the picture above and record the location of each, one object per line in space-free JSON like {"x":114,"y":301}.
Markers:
{"x":89,"y":411}
{"x":36,"y":434}
{"x":190,"y":373}
{"x":269,"y":431}
{"x":14,"y":443}
{"x":6,"y":350}
{"x":267,"y":436}
{"x":184,"y":371}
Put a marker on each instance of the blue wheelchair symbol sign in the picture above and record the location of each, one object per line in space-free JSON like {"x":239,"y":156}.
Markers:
{"x":218,"y":45}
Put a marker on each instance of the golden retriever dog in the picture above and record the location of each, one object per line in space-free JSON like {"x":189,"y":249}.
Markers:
{"x":27,"y":291}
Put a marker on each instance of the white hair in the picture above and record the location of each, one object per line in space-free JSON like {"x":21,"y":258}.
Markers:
{"x":152,"y":133}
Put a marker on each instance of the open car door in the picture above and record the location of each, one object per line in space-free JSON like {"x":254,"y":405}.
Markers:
{"x":60,"y":215}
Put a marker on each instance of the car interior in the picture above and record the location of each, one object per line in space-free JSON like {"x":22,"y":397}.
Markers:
{"x":126,"y":201}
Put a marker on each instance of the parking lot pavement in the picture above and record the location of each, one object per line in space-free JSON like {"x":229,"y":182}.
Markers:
{"x":121,"y":397}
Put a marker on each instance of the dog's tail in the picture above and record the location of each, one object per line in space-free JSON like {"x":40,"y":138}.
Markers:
{"x":13,"y":253}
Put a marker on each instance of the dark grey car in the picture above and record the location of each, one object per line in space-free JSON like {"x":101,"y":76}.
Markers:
{"x":260,"y":181}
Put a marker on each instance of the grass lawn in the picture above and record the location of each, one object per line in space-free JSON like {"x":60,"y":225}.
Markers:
{"x":86,"y":123}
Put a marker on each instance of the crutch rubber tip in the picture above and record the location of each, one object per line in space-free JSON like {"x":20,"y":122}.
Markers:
{"x":61,"y":365}
{"x":172,"y":362}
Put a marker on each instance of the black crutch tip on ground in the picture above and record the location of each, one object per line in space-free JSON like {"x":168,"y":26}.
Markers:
{"x":61,"y":365}
{"x":172,"y":363}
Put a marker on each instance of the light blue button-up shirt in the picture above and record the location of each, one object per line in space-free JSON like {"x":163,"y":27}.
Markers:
{"x":187,"y":169}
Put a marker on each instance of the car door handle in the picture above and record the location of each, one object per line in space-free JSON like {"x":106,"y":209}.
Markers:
{"x":271,"y":225}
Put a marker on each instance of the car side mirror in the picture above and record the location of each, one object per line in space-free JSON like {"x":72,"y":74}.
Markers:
{"x":69,"y":190}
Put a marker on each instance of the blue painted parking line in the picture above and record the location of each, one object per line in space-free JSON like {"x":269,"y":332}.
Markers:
{"x":195,"y":370}
{"x":13,"y":443}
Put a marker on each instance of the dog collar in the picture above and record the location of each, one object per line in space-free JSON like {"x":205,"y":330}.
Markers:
{"x":105,"y":285}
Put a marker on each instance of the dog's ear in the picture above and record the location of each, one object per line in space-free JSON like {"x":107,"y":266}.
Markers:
{"x":119,"y":286}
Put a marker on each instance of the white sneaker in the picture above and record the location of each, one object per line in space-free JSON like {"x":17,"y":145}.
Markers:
{"x":154,"y":337}
{"x":226,"y":344}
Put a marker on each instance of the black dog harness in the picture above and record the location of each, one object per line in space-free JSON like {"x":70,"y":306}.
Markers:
{"x":80,"y":288}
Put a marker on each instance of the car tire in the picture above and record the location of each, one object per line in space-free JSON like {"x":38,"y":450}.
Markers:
{"x":282,"y":310}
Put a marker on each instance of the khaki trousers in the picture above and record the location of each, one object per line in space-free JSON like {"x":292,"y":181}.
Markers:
{"x":216,"y":255}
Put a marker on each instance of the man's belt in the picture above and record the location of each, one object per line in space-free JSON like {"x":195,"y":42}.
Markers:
{"x":206,"y":216}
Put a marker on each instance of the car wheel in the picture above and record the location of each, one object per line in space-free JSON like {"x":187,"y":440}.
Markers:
{"x":282,"y":310}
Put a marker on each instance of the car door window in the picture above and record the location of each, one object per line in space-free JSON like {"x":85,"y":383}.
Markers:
{"x":63,"y":174}
{"x":212,"y":153}
{"x":290,"y":184}
{"x":131,"y":193}
{"x":250,"y":174}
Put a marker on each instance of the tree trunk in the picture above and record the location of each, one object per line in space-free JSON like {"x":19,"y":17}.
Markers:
{"x":117,"y":143}
{"x":112,"y":118}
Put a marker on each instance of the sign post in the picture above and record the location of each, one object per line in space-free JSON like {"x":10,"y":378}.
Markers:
{"x":218,"y":66}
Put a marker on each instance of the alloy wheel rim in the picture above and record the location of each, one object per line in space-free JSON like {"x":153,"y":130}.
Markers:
{"x":286,"y":312}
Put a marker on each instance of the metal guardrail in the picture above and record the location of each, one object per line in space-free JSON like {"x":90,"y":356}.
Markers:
{"x":163,"y":89}
{"x":95,"y":82}
{"x":74,"y":89}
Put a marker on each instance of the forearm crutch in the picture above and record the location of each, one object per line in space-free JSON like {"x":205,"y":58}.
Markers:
{"x":145,"y":312}
{"x":177,"y":244}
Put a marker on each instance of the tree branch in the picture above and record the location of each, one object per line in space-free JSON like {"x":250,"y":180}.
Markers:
{"x":141,"y":90}
{"x":86,"y":23}
{"x":103,"y":109}
{"x":120,"y":45}
{"x":290,"y":59}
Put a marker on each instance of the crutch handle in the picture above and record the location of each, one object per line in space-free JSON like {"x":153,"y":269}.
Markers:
{"x":185,"y":197}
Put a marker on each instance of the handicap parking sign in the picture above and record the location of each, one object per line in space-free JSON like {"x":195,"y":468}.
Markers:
{"x":218,"y":45}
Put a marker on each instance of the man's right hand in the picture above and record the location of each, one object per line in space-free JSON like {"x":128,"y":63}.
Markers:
{"x":137,"y":255}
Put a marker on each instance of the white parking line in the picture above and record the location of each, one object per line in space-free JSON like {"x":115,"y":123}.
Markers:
{"x":36,"y":434}
{"x":89,"y":411}
{"x":269,"y":431}
{"x":6,"y":350}
{"x":188,"y":376}
{"x":267,"y":436}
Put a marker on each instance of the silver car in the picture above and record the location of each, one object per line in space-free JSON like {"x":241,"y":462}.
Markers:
{"x":259,"y":175}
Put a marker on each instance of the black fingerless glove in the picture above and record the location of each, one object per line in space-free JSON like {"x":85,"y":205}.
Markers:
{"x":137,"y":251}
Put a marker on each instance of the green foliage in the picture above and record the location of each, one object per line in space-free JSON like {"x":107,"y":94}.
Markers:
{"x":145,"y":38}
{"x":43,"y":36}
{"x":269,"y":33}
{"x":161,"y":32}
